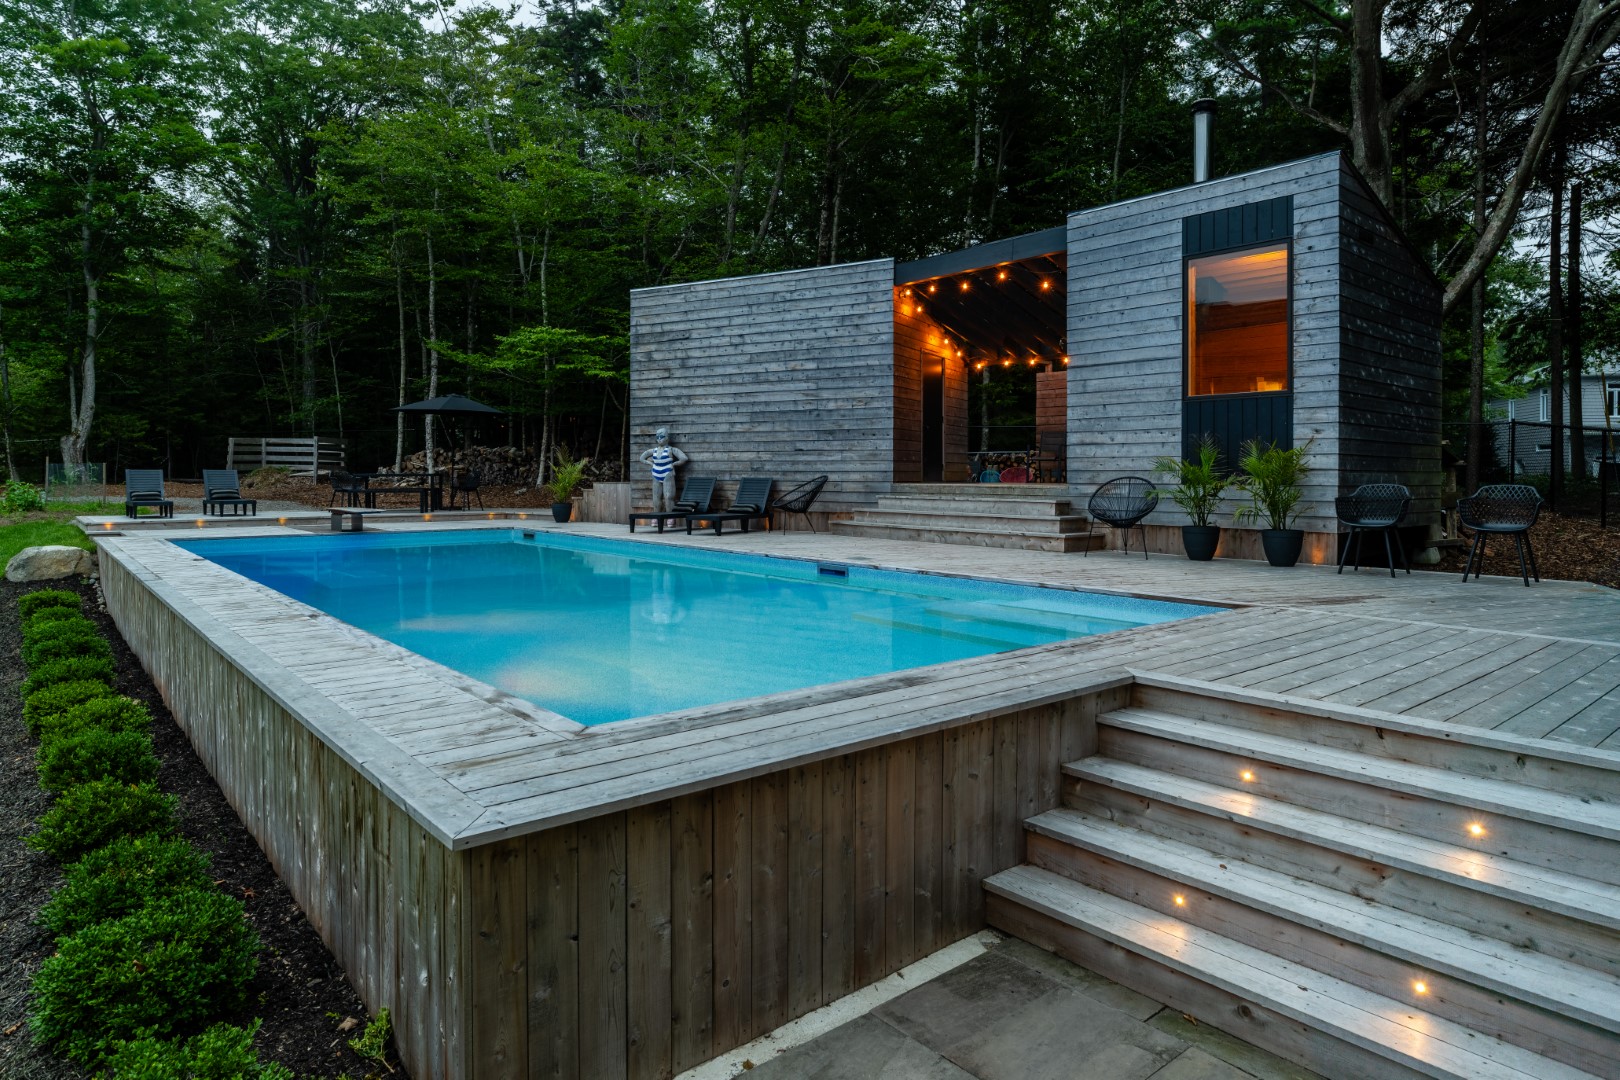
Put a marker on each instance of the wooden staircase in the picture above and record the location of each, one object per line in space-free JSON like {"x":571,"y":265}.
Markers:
{"x":1031,"y":517}
{"x":1367,"y":896}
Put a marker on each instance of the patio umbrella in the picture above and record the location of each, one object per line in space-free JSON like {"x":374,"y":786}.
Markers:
{"x":450,"y":405}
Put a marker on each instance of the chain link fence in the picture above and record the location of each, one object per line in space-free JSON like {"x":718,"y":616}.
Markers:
{"x":1521,"y":452}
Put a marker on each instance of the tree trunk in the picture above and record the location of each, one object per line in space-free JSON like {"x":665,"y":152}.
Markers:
{"x":433,"y":338}
{"x":84,"y":413}
{"x":1476,"y":296}
{"x":1369,"y":130}
{"x":544,"y":454}
{"x":5,"y":390}
{"x":1577,"y":422}
{"x":1555,"y":332}
{"x":399,"y":299}
{"x":306,"y":339}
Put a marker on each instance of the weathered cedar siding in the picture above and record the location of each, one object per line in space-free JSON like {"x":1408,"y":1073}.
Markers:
{"x":786,"y":375}
{"x":1389,"y":348}
{"x":1127,"y":318}
{"x":917,"y":341}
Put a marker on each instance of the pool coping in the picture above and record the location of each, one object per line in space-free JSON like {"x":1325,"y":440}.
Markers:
{"x":272,"y":639}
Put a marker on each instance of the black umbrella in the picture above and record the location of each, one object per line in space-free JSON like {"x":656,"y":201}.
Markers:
{"x":450,"y":405}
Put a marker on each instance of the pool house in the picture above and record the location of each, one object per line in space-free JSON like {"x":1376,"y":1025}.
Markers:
{"x":1281,"y":304}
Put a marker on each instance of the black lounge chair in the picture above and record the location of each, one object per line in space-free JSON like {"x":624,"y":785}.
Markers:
{"x":753,"y":503}
{"x":1500,"y":510}
{"x":800,"y":499}
{"x":1122,"y":503}
{"x":221,"y":489}
{"x":696,"y":495}
{"x":144,"y":487}
{"x":1374,"y":508}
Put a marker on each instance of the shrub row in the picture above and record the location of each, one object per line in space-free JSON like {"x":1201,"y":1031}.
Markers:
{"x":147,"y":950}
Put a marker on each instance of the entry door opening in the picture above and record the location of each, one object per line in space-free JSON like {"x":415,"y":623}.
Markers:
{"x":933,"y":420}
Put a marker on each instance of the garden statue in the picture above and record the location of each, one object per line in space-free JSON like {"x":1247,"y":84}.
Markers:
{"x":664,"y":459}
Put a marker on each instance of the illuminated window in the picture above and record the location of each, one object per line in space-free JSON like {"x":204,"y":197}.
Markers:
{"x":1237,"y":322}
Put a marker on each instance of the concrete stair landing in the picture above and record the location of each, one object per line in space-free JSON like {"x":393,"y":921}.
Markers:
{"x":1030,"y":517}
{"x":1365,"y":896}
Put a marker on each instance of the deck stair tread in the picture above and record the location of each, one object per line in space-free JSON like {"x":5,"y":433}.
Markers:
{"x":981,"y":515}
{"x":1571,"y":895}
{"x":1407,"y":1036}
{"x":1003,"y":537}
{"x":969,"y":519}
{"x":1532,"y":977}
{"x":1484,"y":795}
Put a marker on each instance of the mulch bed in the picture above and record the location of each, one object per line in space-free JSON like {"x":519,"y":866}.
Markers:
{"x":1567,"y":548}
{"x":309,"y":1009}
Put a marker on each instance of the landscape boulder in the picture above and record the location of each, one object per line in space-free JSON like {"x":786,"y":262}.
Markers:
{"x":50,"y":563}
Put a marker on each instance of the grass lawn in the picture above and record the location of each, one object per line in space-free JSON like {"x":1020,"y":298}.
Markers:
{"x":39,"y":529}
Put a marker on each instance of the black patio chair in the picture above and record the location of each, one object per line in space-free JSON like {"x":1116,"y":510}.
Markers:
{"x":696,"y":495}
{"x":222,"y":489}
{"x":466,"y":485}
{"x":1122,"y":503}
{"x":1500,"y":510}
{"x":1377,"y":508}
{"x":1052,"y":457}
{"x":144,"y":487}
{"x":348,"y":489}
{"x":753,"y":503}
{"x":800,"y":499}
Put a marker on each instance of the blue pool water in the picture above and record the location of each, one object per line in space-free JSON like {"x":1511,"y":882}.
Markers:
{"x":601,"y":630}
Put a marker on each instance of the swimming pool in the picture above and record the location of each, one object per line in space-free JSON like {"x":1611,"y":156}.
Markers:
{"x":601,"y":630}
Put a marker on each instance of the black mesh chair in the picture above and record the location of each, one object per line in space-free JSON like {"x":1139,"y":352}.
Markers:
{"x":347,"y":489}
{"x":465,"y":485}
{"x":1122,"y":503}
{"x":800,"y":499}
{"x":1500,"y":510}
{"x":1374,"y":508}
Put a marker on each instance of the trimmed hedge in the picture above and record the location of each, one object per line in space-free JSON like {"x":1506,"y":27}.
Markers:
{"x":51,"y":614}
{"x":122,"y":878}
{"x":161,"y":970}
{"x":90,"y":815}
{"x":107,"y":713}
{"x":223,"y":1052}
{"x":64,"y":640}
{"x":44,"y":705}
{"x":76,"y":669}
{"x":54,"y":622}
{"x":96,"y":754}
{"x":29,"y":603}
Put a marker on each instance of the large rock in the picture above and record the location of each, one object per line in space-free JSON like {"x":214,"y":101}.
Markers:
{"x":50,"y":563}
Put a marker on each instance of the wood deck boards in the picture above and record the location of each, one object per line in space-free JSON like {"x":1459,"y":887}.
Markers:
{"x":1542,"y":662}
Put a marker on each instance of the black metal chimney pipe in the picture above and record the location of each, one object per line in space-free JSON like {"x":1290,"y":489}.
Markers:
{"x":1203,"y":134}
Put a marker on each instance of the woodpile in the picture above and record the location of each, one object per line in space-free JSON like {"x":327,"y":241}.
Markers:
{"x":497,"y":466}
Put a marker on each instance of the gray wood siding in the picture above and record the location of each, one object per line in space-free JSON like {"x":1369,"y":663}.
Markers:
{"x":1126,"y":320}
{"x":1389,"y":349}
{"x":786,"y":375}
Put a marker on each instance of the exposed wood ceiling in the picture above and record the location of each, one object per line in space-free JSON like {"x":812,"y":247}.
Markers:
{"x":1013,"y":310}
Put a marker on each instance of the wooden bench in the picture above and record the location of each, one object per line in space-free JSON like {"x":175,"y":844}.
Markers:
{"x":350,"y":518}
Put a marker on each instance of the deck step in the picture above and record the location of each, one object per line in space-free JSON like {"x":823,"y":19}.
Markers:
{"x":1578,"y":898}
{"x":1429,"y":945}
{"x":969,"y":519}
{"x":1185,"y":960}
{"x":997,"y":538}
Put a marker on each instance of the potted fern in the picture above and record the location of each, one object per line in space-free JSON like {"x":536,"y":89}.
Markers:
{"x":567,"y":477}
{"x":1274,"y":479}
{"x":1199,"y":486}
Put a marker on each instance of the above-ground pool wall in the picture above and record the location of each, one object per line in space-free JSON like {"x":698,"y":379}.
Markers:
{"x":788,"y":375}
{"x":1390,"y":365}
{"x":1127,"y":319}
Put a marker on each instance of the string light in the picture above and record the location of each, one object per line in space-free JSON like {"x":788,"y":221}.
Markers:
{"x":1002,"y":276}
{"x":1046,"y":285}
{"x":1065,"y":361}
{"x":933,"y":288}
{"x":964,"y":286}
{"x":1006,"y":363}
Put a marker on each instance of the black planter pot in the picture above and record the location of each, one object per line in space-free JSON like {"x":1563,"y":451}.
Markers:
{"x":561,"y":512}
{"x":1200,"y":541}
{"x":1282,"y":545}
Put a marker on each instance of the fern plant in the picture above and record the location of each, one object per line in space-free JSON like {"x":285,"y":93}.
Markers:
{"x":567,"y":475}
{"x":1200,"y":483}
{"x":1274,"y":479}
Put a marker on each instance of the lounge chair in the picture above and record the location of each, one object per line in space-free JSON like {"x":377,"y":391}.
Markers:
{"x":221,"y":489}
{"x":696,"y":495}
{"x":800,"y":499}
{"x":753,"y":503}
{"x":1122,"y":503}
{"x":144,"y":487}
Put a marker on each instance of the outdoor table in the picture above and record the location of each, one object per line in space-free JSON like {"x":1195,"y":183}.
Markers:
{"x":430,"y":494}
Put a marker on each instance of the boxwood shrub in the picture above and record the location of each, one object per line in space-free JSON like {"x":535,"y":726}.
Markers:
{"x":52,"y":614}
{"x":64,"y":641}
{"x":90,"y":815}
{"x":42,"y":705}
{"x":106,"y":713}
{"x":29,"y":603}
{"x":223,"y":1052}
{"x":75,"y":669}
{"x":121,"y":879}
{"x":163,"y":969}
{"x":55,"y":622}
{"x":95,"y":753}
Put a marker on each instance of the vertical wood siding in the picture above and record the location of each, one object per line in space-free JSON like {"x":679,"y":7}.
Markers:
{"x":1127,"y":317}
{"x":917,"y":342}
{"x":1389,"y":347}
{"x":786,"y":375}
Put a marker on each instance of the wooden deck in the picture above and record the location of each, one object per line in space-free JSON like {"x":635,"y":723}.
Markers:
{"x":1542,"y":662}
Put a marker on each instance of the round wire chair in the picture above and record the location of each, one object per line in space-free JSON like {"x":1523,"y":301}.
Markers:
{"x":1501,"y":510}
{"x":1374,"y":508}
{"x":1122,"y":503}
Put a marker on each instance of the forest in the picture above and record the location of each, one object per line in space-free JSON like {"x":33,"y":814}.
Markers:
{"x":270,"y":217}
